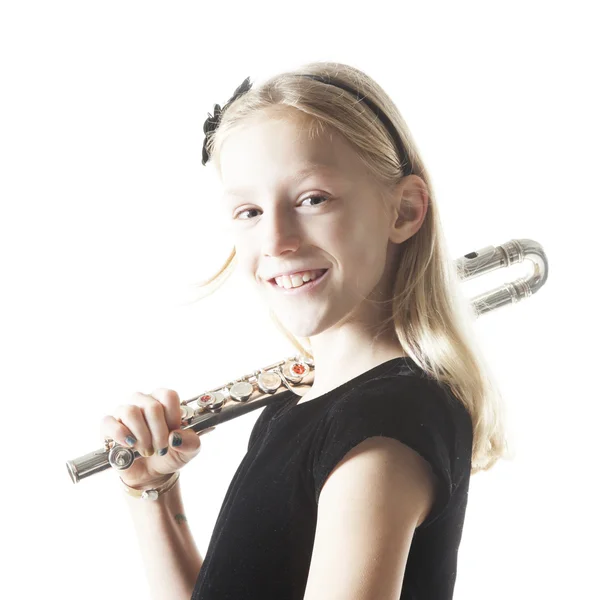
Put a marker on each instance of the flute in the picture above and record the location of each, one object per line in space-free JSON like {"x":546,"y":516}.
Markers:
{"x":266,"y":385}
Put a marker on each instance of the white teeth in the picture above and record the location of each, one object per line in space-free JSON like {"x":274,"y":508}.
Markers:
{"x":296,"y":280}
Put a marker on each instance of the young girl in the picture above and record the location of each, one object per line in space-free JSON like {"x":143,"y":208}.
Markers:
{"x":357,"y":491}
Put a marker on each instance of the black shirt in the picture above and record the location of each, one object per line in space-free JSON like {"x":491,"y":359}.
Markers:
{"x":263,"y":538}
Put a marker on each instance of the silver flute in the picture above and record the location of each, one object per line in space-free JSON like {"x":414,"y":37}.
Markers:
{"x":261,"y":387}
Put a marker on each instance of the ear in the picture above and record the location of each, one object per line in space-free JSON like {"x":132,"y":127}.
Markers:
{"x":410,"y":201}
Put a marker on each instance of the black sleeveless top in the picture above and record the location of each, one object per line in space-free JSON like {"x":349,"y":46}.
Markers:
{"x":263,"y":538}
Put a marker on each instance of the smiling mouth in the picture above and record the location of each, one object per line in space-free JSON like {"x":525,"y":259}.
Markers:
{"x":305,"y":286}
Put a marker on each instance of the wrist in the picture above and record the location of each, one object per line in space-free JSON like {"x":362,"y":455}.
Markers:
{"x":152,"y":489}
{"x":152,"y":483}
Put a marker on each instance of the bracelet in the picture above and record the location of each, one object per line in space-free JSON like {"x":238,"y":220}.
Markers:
{"x":152,"y":493}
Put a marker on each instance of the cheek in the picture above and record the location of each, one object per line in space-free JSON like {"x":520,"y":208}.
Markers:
{"x":244,"y":260}
{"x":363,"y":250}
{"x":362,"y":237}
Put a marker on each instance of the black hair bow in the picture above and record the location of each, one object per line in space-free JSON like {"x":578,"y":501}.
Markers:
{"x":213,"y":121}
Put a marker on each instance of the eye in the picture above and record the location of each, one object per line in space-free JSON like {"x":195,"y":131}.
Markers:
{"x":314,"y":196}
{"x":236,"y":215}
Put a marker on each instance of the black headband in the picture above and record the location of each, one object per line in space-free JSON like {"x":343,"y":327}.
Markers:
{"x":404,"y":162}
{"x":211,"y":124}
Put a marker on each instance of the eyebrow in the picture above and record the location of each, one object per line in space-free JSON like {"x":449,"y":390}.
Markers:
{"x":304,"y":173}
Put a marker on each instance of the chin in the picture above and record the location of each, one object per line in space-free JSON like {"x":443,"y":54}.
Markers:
{"x":305,"y":327}
{"x":298,"y":331}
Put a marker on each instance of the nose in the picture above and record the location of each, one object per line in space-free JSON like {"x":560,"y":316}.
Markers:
{"x":280,"y":233}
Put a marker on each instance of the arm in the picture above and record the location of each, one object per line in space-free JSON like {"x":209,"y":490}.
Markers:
{"x":368,"y":510}
{"x":170,"y":555}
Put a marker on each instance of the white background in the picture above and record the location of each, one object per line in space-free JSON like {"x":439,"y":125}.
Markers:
{"x":107,"y":219}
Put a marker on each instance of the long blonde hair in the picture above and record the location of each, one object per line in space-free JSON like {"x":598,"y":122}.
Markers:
{"x":432,"y":318}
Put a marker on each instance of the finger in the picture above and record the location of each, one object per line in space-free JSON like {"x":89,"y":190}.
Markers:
{"x":116,"y":430}
{"x":133,"y":418}
{"x":154,"y":414}
{"x":172,"y":406}
{"x":185,"y":442}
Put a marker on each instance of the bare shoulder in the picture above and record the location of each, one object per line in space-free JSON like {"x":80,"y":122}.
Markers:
{"x":391,"y":467}
{"x":368,"y":510}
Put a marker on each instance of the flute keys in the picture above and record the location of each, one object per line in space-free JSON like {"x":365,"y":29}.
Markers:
{"x":241,"y":391}
{"x":294,"y":370}
{"x":120,"y":458}
{"x":211,"y":401}
{"x":187,"y":412}
{"x":268,"y":382}
{"x":309,"y":361}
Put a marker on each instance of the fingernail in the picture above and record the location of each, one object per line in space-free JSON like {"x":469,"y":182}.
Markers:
{"x":130,"y":440}
{"x":177,"y":440}
{"x":163,"y":451}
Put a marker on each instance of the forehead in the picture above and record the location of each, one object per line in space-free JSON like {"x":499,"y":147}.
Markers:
{"x":282,"y":151}
{"x":293,"y":177}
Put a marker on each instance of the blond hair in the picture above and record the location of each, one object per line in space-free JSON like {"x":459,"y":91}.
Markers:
{"x":432,"y":319}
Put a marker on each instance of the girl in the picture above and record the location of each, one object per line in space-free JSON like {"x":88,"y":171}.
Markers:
{"x":358,"y":491}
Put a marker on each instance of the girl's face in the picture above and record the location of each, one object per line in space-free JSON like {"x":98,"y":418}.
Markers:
{"x":295,"y":204}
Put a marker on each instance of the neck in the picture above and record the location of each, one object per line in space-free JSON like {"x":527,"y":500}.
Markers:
{"x":333,"y":368}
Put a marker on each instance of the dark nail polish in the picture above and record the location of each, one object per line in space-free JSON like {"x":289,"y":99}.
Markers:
{"x":163,"y":451}
{"x":177,"y":440}
{"x":130,"y":440}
